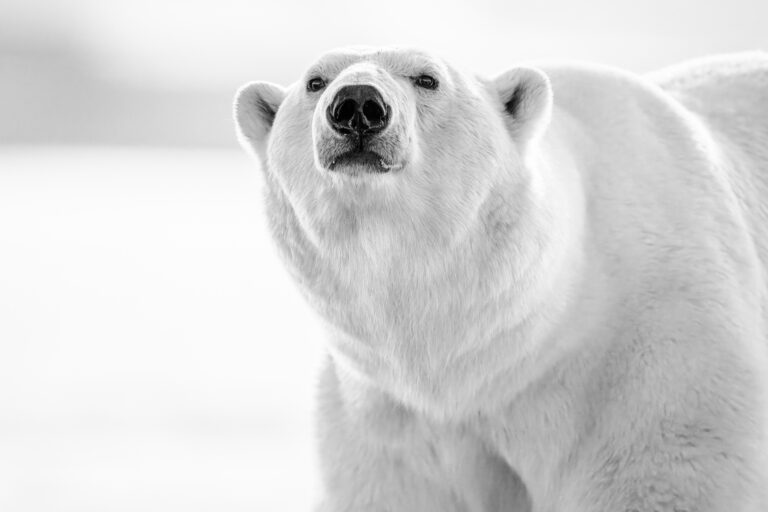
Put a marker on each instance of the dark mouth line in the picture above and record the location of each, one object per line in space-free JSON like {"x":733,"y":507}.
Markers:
{"x":361,"y":157}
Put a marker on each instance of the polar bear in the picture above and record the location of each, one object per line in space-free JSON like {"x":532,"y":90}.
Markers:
{"x":545,"y":291}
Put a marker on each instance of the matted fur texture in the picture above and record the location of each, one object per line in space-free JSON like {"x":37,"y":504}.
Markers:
{"x":555,"y":298}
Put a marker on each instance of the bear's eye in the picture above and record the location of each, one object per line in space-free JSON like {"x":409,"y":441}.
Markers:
{"x":315,"y":84}
{"x":425,"y":82}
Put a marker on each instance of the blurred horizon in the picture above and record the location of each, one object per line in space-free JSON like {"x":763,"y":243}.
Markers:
{"x":165,"y":72}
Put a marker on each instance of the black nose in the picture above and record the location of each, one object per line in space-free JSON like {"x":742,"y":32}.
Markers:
{"x":358,"y":109}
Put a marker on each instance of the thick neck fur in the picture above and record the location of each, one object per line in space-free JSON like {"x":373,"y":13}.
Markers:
{"x":413,"y":303}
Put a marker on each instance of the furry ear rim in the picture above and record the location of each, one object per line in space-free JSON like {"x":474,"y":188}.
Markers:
{"x":256,"y":105}
{"x":526,"y":99}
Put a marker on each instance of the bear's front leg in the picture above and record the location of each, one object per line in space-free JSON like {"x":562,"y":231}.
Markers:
{"x":378,"y":456}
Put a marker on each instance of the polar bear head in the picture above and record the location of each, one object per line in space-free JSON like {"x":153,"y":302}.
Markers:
{"x":395,"y":139}
{"x":404,"y":198}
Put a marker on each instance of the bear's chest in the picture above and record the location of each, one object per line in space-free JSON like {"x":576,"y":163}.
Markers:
{"x":426,"y":341}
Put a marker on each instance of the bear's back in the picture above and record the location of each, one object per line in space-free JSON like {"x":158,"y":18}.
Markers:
{"x":685,"y":147}
{"x":733,"y":79}
{"x":729,"y":94}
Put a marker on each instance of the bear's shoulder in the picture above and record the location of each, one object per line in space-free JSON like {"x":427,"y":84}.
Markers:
{"x":595,"y":93}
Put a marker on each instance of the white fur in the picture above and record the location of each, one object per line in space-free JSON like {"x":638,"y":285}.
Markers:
{"x":560,"y":308}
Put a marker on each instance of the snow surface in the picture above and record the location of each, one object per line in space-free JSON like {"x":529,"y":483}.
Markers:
{"x":154,"y":354}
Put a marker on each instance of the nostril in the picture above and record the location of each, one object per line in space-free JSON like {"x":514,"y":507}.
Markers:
{"x":373,"y":112}
{"x":345,"y":111}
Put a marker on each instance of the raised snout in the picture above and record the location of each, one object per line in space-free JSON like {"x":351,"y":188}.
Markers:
{"x":358,"y":110}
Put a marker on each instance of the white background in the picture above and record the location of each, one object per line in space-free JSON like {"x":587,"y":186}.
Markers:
{"x":154,"y":354}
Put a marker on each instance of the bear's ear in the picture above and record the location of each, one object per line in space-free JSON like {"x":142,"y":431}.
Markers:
{"x":526,"y":100}
{"x":256,"y":105}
